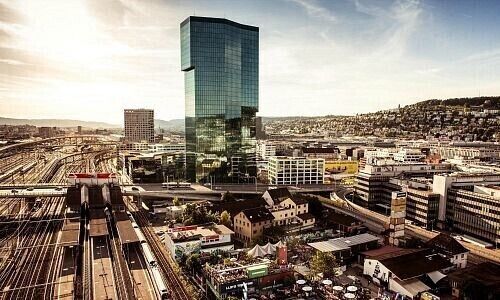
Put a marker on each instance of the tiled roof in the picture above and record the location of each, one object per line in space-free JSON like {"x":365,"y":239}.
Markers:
{"x":279,"y":194}
{"x":414,"y":264}
{"x":446,"y":243}
{"x":258,"y":214}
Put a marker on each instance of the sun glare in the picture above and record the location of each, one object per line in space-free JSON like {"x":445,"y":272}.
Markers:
{"x":62,"y":31}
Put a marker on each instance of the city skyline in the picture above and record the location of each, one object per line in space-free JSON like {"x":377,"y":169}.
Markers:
{"x":317,"y":57}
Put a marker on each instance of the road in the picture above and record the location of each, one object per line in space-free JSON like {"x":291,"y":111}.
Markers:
{"x":413,"y":230}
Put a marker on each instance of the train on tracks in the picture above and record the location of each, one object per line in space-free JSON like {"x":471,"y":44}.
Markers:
{"x":154,"y":272}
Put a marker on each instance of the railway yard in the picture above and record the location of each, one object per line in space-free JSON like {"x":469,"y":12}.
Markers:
{"x":94,"y":250}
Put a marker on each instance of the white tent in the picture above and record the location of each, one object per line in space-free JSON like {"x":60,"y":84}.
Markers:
{"x":278,"y":244}
{"x":257,"y":251}
{"x":269,"y":248}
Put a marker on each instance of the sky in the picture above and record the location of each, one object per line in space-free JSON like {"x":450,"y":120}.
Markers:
{"x":90,"y":59}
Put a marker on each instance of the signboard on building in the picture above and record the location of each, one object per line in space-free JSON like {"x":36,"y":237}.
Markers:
{"x":237,"y":286}
{"x":257,"y":271}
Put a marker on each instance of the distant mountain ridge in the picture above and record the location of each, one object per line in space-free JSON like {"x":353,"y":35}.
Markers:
{"x":492,"y":102}
{"x":56,"y":123}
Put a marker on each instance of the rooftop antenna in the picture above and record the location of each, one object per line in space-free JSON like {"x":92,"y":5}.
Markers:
{"x":194,"y":11}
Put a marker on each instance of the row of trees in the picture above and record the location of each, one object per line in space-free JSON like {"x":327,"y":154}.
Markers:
{"x":198,"y":214}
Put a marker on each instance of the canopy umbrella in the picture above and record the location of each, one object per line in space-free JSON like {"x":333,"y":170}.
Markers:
{"x":301,"y":281}
{"x":327,"y":282}
{"x":349,"y":296}
{"x":352,"y":289}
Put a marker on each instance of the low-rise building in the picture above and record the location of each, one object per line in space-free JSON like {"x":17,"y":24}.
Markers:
{"x":249,"y":224}
{"x":449,"y":247}
{"x":188,"y":240}
{"x":404,"y":271}
{"x":480,"y":281}
{"x":174,"y":212}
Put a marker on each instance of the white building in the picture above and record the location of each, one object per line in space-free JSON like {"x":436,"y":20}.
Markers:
{"x":139,"y":125}
{"x":265,"y":150}
{"x":285,"y":170}
{"x":195,"y":239}
{"x":288,"y":209}
{"x":153,"y":148}
{"x":409,"y":155}
{"x":404,"y":270}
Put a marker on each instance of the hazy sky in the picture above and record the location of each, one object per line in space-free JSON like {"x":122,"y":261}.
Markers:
{"x":89,"y":59}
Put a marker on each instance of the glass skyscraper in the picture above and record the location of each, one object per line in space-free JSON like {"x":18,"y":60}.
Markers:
{"x":220,"y":61}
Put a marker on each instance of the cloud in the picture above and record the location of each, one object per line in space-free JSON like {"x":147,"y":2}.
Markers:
{"x":9,"y":15}
{"x":313,"y":9}
{"x":109,"y":12}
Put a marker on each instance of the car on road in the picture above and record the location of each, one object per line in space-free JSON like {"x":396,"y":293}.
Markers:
{"x":58,"y":188}
{"x":30,"y":189}
{"x":14,"y":191}
{"x":134,"y":188}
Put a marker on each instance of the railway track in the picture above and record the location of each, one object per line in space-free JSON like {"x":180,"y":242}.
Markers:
{"x":177,"y":289}
{"x":33,"y":269}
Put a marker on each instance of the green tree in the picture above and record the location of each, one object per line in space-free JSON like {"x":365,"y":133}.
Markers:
{"x":176,"y":201}
{"x":193,"y":263}
{"x":323,"y":262}
{"x":225,"y":218}
{"x":198,"y":214}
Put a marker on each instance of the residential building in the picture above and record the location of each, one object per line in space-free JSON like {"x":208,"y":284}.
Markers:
{"x":220,"y":61}
{"x":284,"y":170}
{"x":139,"y":125}
{"x":289,"y":210}
{"x":249,"y":224}
{"x":208,"y":238}
{"x":449,"y":247}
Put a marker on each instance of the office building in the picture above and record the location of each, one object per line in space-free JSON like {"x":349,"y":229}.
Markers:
{"x":260,"y":132}
{"x":284,"y":170}
{"x":47,"y":132}
{"x":422,"y":204}
{"x":475,"y":213}
{"x":220,"y":61}
{"x":139,"y":125}
{"x":372,"y":183}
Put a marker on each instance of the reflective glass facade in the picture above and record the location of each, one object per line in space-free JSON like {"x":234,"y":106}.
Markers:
{"x":220,"y":61}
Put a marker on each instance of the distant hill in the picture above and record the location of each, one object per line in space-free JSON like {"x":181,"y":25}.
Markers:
{"x":484,"y":102}
{"x":171,"y":125}
{"x":56,"y":123}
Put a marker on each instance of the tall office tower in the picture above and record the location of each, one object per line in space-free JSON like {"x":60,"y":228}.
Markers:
{"x":220,"y":60}
{"x":139,"y":125}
